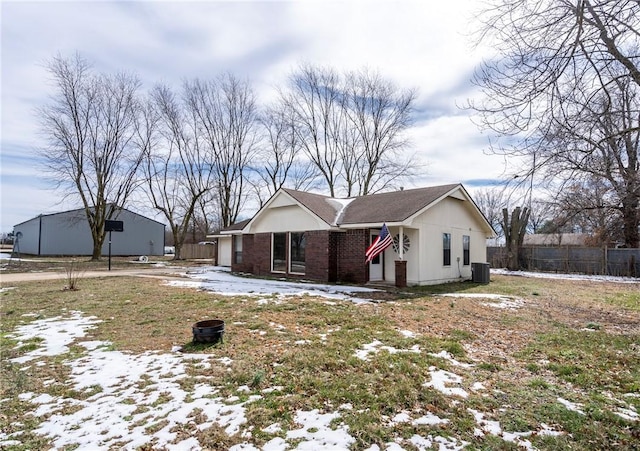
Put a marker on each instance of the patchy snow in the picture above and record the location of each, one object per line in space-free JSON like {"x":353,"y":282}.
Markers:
{"x":441,"y":381}
{"x":407,"y":333}
{"x":447,"y":356}
{"x":545,"y":275}
{"x":428,"y":419}
{"x":57,"y":333}
{"x":504,"y":301}
{"x":133,"y":398}
{"x":627,"y":414}
{"x":492,"y":427}
{"x":220,"y":280}
{"x":376,"y":346}
{"x":573,"y":406}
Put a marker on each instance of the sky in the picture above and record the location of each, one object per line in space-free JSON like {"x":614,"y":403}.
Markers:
{"x":416,"y":44}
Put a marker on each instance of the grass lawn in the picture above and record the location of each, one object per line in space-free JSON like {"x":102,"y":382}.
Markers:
{"x":556,"y":368}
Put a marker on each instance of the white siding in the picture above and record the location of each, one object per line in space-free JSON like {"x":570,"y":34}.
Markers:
{"x":290,"y":218}
{"x":448,"y":216}
{"x":410,"y":256}
{"x":224,"y":250}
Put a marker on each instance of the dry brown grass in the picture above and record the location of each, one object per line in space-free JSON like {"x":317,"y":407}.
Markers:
{"x":263,"y":340}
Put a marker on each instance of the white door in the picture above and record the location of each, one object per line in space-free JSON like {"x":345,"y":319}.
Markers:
{"x":375,"y":265}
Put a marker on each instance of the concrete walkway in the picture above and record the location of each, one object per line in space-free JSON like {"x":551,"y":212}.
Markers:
{"x":157,"y":272}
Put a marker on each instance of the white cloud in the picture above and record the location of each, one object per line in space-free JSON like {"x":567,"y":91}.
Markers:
{"x":414,"y":43}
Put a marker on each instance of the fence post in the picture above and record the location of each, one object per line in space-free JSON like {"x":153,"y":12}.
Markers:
{"x":605,"y":266}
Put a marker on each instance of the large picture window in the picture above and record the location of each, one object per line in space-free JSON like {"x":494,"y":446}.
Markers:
{"x":466,"y":240}
{"x":298,"y":244}
{"x":279,"y":252}
{"x":446,"y":249}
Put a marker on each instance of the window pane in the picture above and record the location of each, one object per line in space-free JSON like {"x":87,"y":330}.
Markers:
{"x":237,"y":248}
{"x":376,"y":259}
{"x":446,"y":248}
{"x":279,"y":252}
{"x":298,"y":246}
{"x":466,"y":240}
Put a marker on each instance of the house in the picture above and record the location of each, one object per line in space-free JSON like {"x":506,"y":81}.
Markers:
{"x":438,"y":232}
{"x":68,"y":233}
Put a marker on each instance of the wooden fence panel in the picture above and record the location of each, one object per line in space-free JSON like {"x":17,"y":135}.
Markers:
{"x":198,"y":251}
{"x":570,"y":259}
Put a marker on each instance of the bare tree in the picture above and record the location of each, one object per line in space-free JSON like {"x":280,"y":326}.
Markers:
{"x":589,"y":206}
{"x":176,"y":165}
{"x":314,"y":97}
{"x":226,"y":113}
{"x":281,"y":162}
{"x":90,"y":124}
{"x":491,"y":201}
{"x":351,"y":127}
{"x":379,"y":114}
{"x":565,"y":85}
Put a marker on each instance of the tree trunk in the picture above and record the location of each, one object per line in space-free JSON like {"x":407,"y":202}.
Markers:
{"x":631,"y":221}
{"x":514,"y":230}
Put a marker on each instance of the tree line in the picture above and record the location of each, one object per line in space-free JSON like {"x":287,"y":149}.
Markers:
{"x":563,"y":94}
{"x":202,"y":151}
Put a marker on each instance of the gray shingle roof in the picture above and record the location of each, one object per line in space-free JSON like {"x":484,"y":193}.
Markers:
{"x":236,"y":226}
{"x":318,"y":204}
{"x":395,"y":206}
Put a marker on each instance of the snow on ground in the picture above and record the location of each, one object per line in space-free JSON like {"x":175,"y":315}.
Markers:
{"x":376,"y":346}
{"x":133,"y":399}
{"x":545,"y":275}
{"x":219,"y":280}
{"x":504,"y":301}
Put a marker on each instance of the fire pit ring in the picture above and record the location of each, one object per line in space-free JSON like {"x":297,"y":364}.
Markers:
{"x":208,"y":331}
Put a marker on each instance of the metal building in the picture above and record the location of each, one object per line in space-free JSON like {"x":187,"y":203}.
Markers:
{"x":68,"y":234}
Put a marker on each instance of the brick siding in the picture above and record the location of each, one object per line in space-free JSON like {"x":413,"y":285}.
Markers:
{"x":329,"y":256}
{"x":350,"y":248}
{"x":317,"y":255}
{"x":262,"y":254}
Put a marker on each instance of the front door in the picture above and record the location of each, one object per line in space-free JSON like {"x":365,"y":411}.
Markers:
{"x":375,"y":265}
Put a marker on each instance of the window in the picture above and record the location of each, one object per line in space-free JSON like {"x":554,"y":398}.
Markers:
{"x":446,"y":249}
{"x":466,"y":239}
{"x":298,"y":244}
{"x":279,"y":252}
{"x":376,"y":259}
{"x":237,"y":248}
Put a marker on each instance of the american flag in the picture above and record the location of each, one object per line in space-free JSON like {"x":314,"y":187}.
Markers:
{"x":379,"y":244}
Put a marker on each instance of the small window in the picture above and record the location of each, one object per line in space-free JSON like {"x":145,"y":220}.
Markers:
{"x":237,"y":248}
{"x":375,"y":260}
{"x":446,"y":249}
{"x":466,"y":239}
{"x":298,"y":244}
{"x":279,"y":252}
